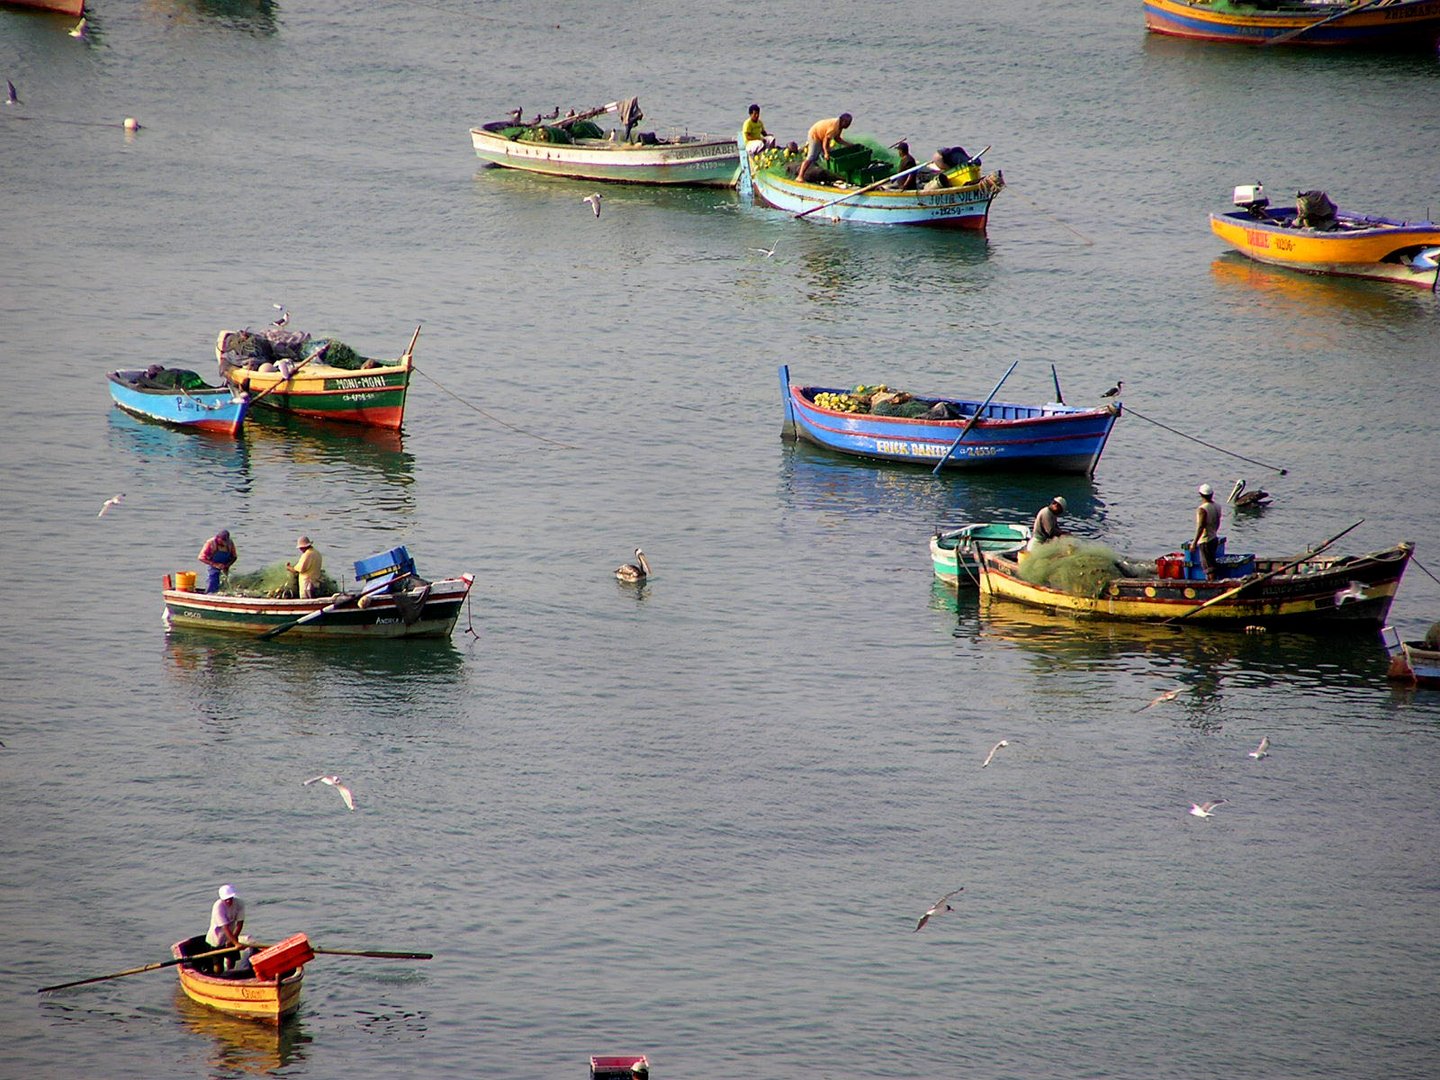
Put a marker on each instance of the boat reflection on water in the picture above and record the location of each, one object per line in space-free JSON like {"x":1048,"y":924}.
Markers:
{"x":1276,"y":289}
{"x":255,"y":16}
{"x":837,"y":264}
{"x":349,"y":454}
{"x":213,"y":459}
{"x":244,"y":1045}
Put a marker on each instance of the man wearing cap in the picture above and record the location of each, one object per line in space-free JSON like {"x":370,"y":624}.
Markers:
{"x":1207,"y":531}
{"x":824,"y":135}
{"x":306,"y":568}
{"x":1047,"y":523}
{"x":227,"y":919}
{"x":218,"y":555}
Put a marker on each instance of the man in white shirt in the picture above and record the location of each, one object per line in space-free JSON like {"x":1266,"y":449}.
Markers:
{"x":227,"y":920}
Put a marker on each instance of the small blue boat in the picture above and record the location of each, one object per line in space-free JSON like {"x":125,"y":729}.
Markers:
{"x":1050,"y":438}
{"x":180,"y":397}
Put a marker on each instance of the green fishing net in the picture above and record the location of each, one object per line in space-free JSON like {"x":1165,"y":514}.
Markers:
{"x":1073,"y":566}
{"x":272,"y":580}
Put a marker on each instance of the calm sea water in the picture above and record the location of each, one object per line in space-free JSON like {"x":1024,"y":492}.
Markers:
{"x":699,"y":820}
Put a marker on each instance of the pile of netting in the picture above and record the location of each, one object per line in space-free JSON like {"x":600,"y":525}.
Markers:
{"x":1073,"y":566}
{"x":1432,"y":637}
{"x":272,"y":581}
{"x":880,"y":400}
{"x":251,"y":349}
{"x":554,"y":134}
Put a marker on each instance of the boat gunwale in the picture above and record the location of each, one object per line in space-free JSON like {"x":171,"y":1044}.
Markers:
{"x":1070,"y":413}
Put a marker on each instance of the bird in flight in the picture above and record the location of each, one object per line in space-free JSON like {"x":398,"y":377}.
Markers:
{"x":993,"y":751}
{"x":80,"y":28}
{"x":334,"y":781}
{"x":768,"y":252}
{"x":11,"y":97}
{"x":938,"y":908}
{"x":594,"y":201}
{"x":1168,"y":695}
{"x":1114,"y":391}
{"x":114,"y":500}
{"x":1205,"y":809}
{"x":1352,"y":591}
{"x":1263,"y":749}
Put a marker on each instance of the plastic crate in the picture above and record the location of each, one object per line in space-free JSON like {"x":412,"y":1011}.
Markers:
{"x":618,"y":1066}
{"x":1170,"y":566}
{"x":396,"y":560}
{"x":292,"y":953}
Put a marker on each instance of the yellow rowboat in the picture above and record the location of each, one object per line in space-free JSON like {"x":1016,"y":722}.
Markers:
{"x":269,"y":1000}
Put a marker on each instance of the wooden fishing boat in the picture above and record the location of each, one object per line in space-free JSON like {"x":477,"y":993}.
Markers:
{"x":270,"y":999}
{"x":1414,"y":662}
{"x":321,"y":378}
{"x":955,"y":553}
{"x":73,"y":8}
{"x":1351,"y":591}
{"x":1008,"y":436}
{"x":855,"y":190}
{"x":574,"y":146}
{"x":1348,"y":244}
{"x":179,"y":397}
{"x":1413,"y":24}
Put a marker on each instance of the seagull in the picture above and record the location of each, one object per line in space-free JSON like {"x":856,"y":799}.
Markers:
{"x":11,"y":98}
{"x":993,"y":751}
{"x":80,"y":28}
{"x":1263,"y":749}
{"x":636,"y":571}
{"x":1248,"y":500}
{"x":334,"y":781}
{"x":938,"y":908}
{"x":1114,"y":391}
{"x":114,"y":500}
{"x":1168,"y":695}
{"x":1205,"y":809}
{"x":1352,"y":591}
{"x":767,"y":252}
{"x":594,"y":201}
{"x":284,"y":316}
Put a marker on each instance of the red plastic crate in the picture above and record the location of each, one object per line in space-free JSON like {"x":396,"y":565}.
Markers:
{"x":1170,"y":566}
{"x":618,"y":1066}
{"x":288,"y":955}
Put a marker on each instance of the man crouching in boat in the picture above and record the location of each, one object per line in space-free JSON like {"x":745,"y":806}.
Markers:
{"x":1047,"y":523}
{"x":227,"y":920}
{"x":824,"y":135}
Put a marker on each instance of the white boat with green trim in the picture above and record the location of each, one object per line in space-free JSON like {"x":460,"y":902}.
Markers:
{"x":955,"y":553}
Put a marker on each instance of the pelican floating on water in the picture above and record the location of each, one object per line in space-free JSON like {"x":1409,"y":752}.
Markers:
{"x":639,"y":570}
{"x":1248,"y":500}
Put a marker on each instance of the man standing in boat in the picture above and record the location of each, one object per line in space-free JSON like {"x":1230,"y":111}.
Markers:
{"x":218,"y":555}
{"x":306,"y":568}
{"x":1207,"y":531}
{"x":1047,"y":523}
{"x":227,"y":920}
{"x":824,"y":136}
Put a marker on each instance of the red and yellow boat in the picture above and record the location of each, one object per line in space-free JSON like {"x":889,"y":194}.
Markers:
{"x":268,"y":992}
{"x":1390,"y":24}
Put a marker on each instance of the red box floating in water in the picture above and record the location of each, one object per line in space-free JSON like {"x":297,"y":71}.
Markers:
{"x":618,"y":1066}
{"x":1170,"y":566}
{"x":290,"y":954}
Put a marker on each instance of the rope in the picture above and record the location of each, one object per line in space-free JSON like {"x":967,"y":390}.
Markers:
{"x":1416,"y":562}
{"x":1202,"y":442}
{"x":1011,"y":189}
{"x":493,"y":419}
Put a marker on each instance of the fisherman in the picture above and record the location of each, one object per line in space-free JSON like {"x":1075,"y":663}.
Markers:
{"x":218,"y":555}
{"x":905,"y":183}
{"x":1047,"y":524}
{"x":1207,"y":531}
{"x":824,"y":136}
{"x":754,"y":133}
{"x":227,"y":920}
{"x":306,"y":569}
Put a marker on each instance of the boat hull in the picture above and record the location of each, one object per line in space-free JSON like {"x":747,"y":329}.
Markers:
{"x":217,"y":409}
{"x":955,"y":553}
{"x":1412,"y":662}
{"x":267,"y":1000}
{"x":1408,"y":24}
{"x":73,"y":8}
{"x":379,"y":616}
{"x":1307,"y":597}
{"x":1009,"y":436}
{"x":1372,"y":247}
{"x":700,"y":160}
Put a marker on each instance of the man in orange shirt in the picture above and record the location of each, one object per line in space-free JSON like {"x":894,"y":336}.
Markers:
{"x":824,"y":134}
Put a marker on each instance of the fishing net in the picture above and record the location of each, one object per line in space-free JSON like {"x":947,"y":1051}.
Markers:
{"x":1314,"y":210}
{"x":544,"y":134}
{"x":274,"y":581}
{"x":1432,"y":637}
{"x":1072,"y":566}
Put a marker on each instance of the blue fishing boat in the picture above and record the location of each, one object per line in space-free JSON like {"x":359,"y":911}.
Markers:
{"x":180,"y":397}
{"x":924,"y":429}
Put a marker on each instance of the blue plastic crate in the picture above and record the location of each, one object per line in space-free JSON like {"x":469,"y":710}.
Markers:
{"x":395,"y":561}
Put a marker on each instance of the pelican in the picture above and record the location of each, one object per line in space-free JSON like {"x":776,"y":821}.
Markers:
{"x":637,"y":571}
{"x":334,"y":781}
{"x":1248,"y":500}
{"x":1114,"y":391}
{"x":1263,"y":749}
{"x":1205,"y":809}
{"x":594,"y":201}
{"x":993,"y":751}
{"x":938,"y":908}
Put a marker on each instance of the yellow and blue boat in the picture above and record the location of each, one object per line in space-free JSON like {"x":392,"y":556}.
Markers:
{"x":1391,"y":24}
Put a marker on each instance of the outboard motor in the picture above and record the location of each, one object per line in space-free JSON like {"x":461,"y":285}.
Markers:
{"x":1251,"y":198}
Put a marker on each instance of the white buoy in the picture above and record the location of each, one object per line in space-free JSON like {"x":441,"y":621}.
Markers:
{"x":131,"y":124}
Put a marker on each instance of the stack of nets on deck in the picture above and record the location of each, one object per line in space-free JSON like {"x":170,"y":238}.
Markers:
{"x":1073,"y":566}
{"x":252,"y":348}
{"x":880,"y":400}
{"x":547,"y":133}
{"x":272,"y":581}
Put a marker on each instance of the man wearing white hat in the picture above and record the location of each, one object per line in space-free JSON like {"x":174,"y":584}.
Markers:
{"x":1047,"y":523}
{"x":227,"y":920}
{"x":306,"y":568}
{"x":1207,"y":530}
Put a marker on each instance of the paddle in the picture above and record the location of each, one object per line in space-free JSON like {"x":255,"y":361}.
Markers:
{"x":863,"y":190}
{"x":1264,"y":577}
{"x":377,"y":954}
{"x":975,"y":417}
{"x":1290,"y":35}
{"x":276,"y":631}
{"x":147,"y":967}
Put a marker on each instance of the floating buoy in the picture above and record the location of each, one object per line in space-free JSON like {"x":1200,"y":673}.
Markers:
{"x":131,"y":124}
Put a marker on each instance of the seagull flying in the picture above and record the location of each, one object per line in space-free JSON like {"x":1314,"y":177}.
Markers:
{"x":1168,"y":695}
{"x":334,"y":781}
{"x":283,"y":317}
{"x":11,"y":98}
{"x":1263,"y":749}
{"x":993,"y":751}
{"x":114,"y":500}
{"x":1205,"y":809}
{"x":594,"y":201}
{"x":1352,"y":591}
{"x":1114,"y":391}
{"x":80,"y":28}
{"x":767,"y":252}
{"x":938,"y":908}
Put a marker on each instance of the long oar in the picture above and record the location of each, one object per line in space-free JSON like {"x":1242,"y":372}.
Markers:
{"x":1292,"y":34}
{"x":285,"y":381}
{"x":973,"y":419}
{"x":276,"y":631}
{"x":378,"y":954}
{"x":1266,"y":576}
{"x":147,"y":967}
{"x":863,"y":190}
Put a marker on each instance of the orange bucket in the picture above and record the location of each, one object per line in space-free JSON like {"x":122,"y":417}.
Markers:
{"x":185,"y":580}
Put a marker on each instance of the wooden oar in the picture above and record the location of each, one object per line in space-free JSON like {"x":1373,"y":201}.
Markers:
{"x":973,"y":419}
{"x":863,"y":190}
{"x":1264,"y":577}
{"x":1291,"y":35}
{"x":276,"y":386}
{"x":147,"y":967}
{"x":378,"y":954}
{"x":276,"y":631}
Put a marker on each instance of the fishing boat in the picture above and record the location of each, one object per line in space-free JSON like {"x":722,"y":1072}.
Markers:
{"x":317,"y":377}
{"x":1326,"y":240}
{"x":1378,"y":24}
{"x":1054,"y":437}
{"x":955,"y":553}
{"x":1414,"y":662}
{"x":179,"y":397}
{"x":574,"y":146}
{"x":269,"y":991}
{"x":1314,"y":591}
{"x":60,"y":7}
{"x":393,"y":601}
{"x":856,"y":183}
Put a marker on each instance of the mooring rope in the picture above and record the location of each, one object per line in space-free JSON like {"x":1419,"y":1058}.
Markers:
{"x":1202,"y":442}
{"x":1416,"y":562}
{"x":494,"y":419}
{"x":1011,"y":189}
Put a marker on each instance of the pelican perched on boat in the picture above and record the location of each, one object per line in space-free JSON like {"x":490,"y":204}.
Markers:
{"x":639,"y":570}
{"x":1248,"y":500}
